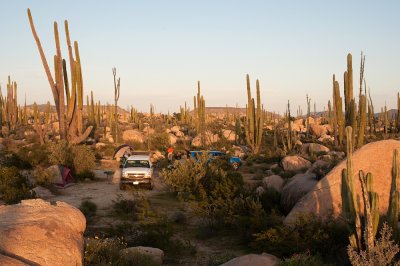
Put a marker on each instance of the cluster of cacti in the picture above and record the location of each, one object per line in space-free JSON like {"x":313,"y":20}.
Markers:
{"x":338,"y":117}
{"x":70,"y":120}
{"x":185,"y":117}
{"x":254,"y":120}
{"x":200,"y":114}
{"x":363,"y":233}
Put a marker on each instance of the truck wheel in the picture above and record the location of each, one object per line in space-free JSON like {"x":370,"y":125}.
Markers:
{"x":235,"y":166}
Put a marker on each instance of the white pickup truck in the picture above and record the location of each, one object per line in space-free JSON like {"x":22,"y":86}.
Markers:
{"x":137,"y":170}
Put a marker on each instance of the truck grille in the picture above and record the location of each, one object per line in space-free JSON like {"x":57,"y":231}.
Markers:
{"x":135,"y":176}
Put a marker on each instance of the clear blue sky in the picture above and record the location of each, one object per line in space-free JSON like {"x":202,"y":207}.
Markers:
{"x":161,"y":49}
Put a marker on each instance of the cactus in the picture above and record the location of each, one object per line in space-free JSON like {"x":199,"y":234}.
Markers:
{"x":350,"y":207}
{"x":37,"y":123}
{"x":393,"y":209}
{"x":308,"y":115}
{"x":362,"y":121}
{"x":70,"y":120}
{"x":338,"y":113}
{"x":348,"y":89}
{"x":254,"y":120}
{"x":117,"y":88}
{"x":200,"y":114}
{"x":289,"y":132}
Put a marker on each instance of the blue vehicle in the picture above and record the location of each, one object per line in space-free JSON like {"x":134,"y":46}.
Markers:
{"x":233,"y":160}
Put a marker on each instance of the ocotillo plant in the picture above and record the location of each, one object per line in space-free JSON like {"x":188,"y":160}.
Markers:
{"x":70,"y":120}
{"x":254,"y":121}
{"x":117,"y":88}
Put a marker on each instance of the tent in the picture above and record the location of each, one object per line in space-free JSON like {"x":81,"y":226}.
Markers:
{"x":120,"y":151}
{"x":62,"y":175}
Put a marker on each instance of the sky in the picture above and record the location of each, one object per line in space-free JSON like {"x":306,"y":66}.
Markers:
{"x":162,"y":48}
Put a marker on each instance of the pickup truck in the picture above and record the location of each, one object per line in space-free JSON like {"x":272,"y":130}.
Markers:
{"x":234,"y":161}
{"x":137,"y":170}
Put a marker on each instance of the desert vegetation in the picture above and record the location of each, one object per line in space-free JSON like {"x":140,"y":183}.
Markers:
{"x":202,"y":210}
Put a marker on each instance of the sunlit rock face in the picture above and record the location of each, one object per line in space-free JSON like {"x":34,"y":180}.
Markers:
{"x":38,"y":232}
{"x":325,"y":201}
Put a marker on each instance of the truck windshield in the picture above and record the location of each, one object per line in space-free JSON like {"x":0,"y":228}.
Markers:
{"x":137,"y":163}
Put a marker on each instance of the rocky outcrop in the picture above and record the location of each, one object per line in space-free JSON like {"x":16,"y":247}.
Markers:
{"x":133,"y":135}
{"x":313,"y":148}
{"x":38,"y":232}
{"x":324,"y":200}
{"x":229,"y":134}
{"x":295,"y":163}
{"x":254,"y":260}
{"x":8,"y":261}
{"x":320,"y":130}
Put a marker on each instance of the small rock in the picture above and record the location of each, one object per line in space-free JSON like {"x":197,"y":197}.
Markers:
{"x":254,"y":260}
{"x":156,"y":254}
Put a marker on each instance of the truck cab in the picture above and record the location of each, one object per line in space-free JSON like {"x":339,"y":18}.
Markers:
{"x":137,"y":170}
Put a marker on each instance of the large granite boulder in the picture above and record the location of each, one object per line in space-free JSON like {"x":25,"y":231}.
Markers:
{"x":41,"y":233}
{"x":295,"y":163}
{"x":133,"y":253}
{"x":325,"y":201}
{"x":273,"y":182}
{"x":298,"y":186}
{"x":254,"y":260}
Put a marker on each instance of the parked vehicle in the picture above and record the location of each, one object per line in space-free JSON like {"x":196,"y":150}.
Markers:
{"x":233,"y":160}
{"x":137,"y":170}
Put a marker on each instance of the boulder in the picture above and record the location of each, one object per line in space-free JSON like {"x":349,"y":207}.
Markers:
{"x":133,"y":135}
{"x":175,"y":129}
{"x":100,"y":145}
{"x":326,"y":138}
{"x":298,"y":186}
{"x":229,"y":134}
{"x":42,"y":192}
{"x":273,"y":182}
{"x":156,"y":156}
{"x":319,"y":130}
{"x":295,"y":163}
{"x":209,"y":138}
{"x":8,"y":261}
{"x":42,"y":233}
{"x":179,"y":134}
{"x":172,"y":139}
{"x":313,"y":148}
{"x":325,"y":201}
{"x":156,"y":254}
{"x":148,"y":130}
{"x":254,"y":260}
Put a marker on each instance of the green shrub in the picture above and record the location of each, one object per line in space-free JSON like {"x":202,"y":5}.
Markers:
{"x":34,"y":154}
{"x":88,"y":208}
{"x":159,"y":141}
{"x":104,"y":252}
{"x":270,"y":200}
{"x":132,"y":210}
{"x":13,"y":160}
{"x":59,"y":154}
{"x":83,"y":158}
{"x":307,"y":234}
{"x":43,"y":177}
{"x":13,"y":186}
{"x":303,"y":259}
{"x":79,"y":158}
{"x":86,"y":174}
